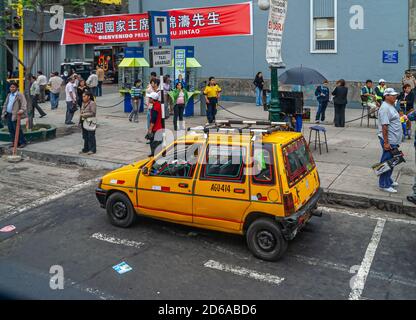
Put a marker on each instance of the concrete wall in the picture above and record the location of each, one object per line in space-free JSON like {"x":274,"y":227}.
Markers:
{"x":242,"y":57}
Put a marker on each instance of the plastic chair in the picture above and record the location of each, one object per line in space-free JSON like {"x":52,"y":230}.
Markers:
{"x":318,"y":130}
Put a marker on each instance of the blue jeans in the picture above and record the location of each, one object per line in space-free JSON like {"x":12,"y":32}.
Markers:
{"x":320,"y":115}
{"x":12,"y":130}
{"x":100,"y":89}
{"x":212,"y":109}
{"x":94,"y":91}
{"x":54,"y":100}
{"x":69,"y":112}
{"x":385,"y":180}
{"x":259,"y":99}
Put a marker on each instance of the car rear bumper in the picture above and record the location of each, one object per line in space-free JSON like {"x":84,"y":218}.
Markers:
{"x":292,"y":225}
{"x":101,"y":196}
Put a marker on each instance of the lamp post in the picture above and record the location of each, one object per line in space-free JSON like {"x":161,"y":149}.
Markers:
{"x":275,"y":109}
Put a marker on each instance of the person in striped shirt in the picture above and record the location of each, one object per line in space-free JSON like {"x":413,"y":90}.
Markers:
{"x":136,"y":97}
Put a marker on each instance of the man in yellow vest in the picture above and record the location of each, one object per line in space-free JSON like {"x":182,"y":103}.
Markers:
{"x":380,"y":91}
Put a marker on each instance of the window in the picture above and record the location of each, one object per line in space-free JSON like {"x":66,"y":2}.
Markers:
{"x":263,"y":165}
{"x":179,"y":161}
{"x":298,"y":161}
{"x":225,"y":163}
{"x":323,"y":26}
{"x":413,"y":54}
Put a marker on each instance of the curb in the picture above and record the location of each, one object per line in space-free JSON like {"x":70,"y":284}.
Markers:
{"x":367,"y":202}
{"x":57,"y":158}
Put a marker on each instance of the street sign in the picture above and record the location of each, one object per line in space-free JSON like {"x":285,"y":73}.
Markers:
{"x":159,"y":28}
{"x":180,"y":62}
{"x":134,"y":52}
{"x":390,"y":56}
{"x":160,"y":57}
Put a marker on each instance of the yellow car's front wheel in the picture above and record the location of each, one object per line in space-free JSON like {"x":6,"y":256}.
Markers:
{"x":120,"y":211}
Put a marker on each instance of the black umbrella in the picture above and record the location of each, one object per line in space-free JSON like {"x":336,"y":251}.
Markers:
{"x":301,"y":76}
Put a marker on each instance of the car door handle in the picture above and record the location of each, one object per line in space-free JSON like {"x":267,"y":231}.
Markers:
{"x":183,"y":185}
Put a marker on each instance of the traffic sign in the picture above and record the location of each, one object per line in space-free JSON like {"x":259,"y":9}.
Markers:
{"x":160,"y":57}
{"x":159,"y":28}
{"x":390,"y":56}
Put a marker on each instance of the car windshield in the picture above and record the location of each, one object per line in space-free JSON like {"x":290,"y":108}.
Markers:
{"x":298,"y":160}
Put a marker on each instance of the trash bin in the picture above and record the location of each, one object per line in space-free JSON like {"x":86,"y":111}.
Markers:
{"x":128,"y":107}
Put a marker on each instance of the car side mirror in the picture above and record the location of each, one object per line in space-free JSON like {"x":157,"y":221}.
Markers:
{"x":145,"y":171}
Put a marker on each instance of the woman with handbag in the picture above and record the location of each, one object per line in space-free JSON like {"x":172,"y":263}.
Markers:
{"x":88,"y":123}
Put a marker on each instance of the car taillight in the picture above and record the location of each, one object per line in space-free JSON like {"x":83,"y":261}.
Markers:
{"x":100,"y":183}
{"x":289,"y":204}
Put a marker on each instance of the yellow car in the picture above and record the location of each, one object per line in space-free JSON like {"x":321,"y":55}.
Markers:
{"x":253,"y":178}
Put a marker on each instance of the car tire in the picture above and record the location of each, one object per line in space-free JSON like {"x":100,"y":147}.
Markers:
{"x":120,"y":211}
{"x":265,"y":240}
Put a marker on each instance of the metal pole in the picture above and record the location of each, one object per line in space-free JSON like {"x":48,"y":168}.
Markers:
{"x":21,"y":48}
{"x":274,"y":111}
{"x":3,"y":59}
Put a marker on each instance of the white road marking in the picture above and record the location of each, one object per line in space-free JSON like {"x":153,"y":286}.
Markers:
{"x":47,"y":199}
{"x":367,"y":215}
{"x":360,"y":279}
{"x":113,"y":240}
{"x":265,"y":277}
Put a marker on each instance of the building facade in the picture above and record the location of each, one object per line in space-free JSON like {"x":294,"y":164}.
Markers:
{"x":351,"y":39}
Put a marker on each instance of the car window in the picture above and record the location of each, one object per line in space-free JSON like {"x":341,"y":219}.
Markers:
{"x":298,"y":160}
{"x":178,"y":161}
{"x":225,"y":163}
{"x":263,"y":164}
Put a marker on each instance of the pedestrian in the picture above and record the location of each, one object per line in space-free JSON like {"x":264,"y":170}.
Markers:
{"x":71,"y":101}
{"x":34,"y":96}
{"x":340,"y":94}
{"x":88,"y":123}
{"x":15,"y":105}
{"x":379,"y":90}
{"x":412,"y":198}
{"x":406,"y":101}
{"x":42,"y":82}
{"x":153,"y":87}
{"x":368,"y":95}
{"x":155,"y":131}
{"x":406,"y":98}
{"x":322,"y":95}
{"x":55,"y":83}
{"x":390,"y":134}
{"x":212,"y":94}
{"x":180,"y":79}
{"x":101,"y":77}
{"x":166,"y":98}
{"x":136,"y":98}
{"x":180,"y":99}
{"x":409,"y":79}
{"x":92,"y":83}
{"x":81,"y":89}
{"x":259,"y":84}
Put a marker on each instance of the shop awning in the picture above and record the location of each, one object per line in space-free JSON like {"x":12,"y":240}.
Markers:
{"x":133,"y":63}
{"x":190,"y":63}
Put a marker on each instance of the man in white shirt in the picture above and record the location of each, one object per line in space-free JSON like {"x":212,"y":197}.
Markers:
{"x":55,"y":83}
{"x":42,"y":81}
{"x":92,"y":83}
{"x":71,"y":100}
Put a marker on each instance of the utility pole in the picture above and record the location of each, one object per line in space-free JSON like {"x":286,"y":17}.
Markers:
{"x":21,"y":48}
{"x":3,"y":60}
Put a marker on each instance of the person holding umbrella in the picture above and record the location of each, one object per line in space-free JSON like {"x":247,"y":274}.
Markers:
{"x":340,"y":94}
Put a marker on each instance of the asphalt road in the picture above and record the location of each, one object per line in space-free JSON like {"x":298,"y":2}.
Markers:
{"x":343,"y":255}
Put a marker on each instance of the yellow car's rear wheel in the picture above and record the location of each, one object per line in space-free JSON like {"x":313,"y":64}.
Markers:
{"x":265,"y":239}
{"x":120,"y":211}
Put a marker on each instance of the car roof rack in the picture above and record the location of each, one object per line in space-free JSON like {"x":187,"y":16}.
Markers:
{"x":243,"y":126}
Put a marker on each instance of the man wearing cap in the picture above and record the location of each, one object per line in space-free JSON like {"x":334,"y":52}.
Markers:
{"x":154,"y":134}
{"x":379,"y":90}
{"x":390,"y":134}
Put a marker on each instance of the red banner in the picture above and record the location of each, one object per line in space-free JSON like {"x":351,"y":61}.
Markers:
{"x":229,"y":20}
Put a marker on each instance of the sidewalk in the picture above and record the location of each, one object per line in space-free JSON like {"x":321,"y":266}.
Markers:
{"x":345,"y":171}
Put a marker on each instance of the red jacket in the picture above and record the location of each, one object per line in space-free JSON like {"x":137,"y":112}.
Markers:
{"x":156,"y":112}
